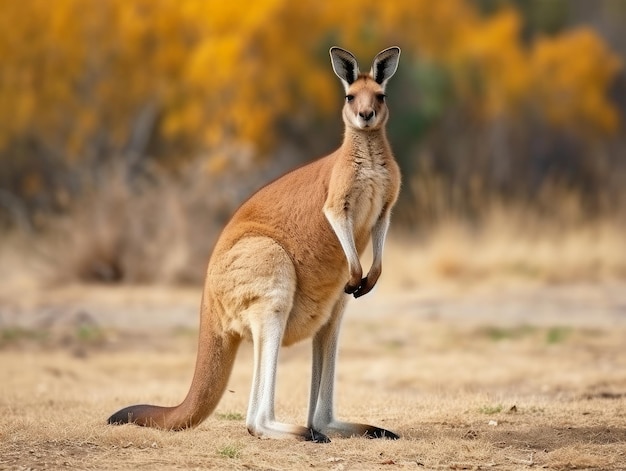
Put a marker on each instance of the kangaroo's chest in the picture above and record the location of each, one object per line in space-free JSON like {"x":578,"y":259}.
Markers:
{"x":372,"y":188}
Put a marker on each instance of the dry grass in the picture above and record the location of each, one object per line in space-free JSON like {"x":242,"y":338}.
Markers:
{"x":470,"y":392}
{"x":510,"y":246}
{"x":161,"y":229}
{"x":104,"y":244}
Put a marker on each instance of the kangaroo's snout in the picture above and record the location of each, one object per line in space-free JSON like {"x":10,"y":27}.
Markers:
{"x":366,"y":115}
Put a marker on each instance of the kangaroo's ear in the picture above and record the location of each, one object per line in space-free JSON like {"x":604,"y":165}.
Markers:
{"x":385,"y":65}
{"x":344,"y":65}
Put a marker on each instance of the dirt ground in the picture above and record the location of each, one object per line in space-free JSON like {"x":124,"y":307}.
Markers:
{"x":499,"y":376}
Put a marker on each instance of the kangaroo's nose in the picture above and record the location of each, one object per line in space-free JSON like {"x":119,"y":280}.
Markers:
{"x":366,"y":115}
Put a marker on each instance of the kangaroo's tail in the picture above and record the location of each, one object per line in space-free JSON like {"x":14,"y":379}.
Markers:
{"x":216,"y":356}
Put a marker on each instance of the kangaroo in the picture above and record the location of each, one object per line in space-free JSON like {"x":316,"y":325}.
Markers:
{"x":284,"y":265}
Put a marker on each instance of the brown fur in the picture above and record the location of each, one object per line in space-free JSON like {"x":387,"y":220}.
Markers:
{"x":278,"y":272}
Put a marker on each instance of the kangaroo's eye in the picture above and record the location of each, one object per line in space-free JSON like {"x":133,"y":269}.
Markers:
{"x":381,"y":97}
{"x":349,"y":98}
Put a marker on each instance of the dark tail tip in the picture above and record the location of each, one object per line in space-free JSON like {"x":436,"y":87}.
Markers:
{"x":128,"y":415}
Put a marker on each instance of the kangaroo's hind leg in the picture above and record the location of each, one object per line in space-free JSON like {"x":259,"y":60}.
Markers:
{"x":262,"y":284}
{"x":321,"y":408}
{"x":261,"y":420}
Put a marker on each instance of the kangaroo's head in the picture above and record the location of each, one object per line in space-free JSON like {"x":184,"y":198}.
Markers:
{"x":365,"y":106}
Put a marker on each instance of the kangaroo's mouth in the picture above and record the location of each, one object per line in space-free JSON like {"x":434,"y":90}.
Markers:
{"x":363,"y":124}
{"x":367,"y":125}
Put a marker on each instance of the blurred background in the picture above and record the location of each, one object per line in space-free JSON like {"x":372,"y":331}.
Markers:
{"x":130,"y":131}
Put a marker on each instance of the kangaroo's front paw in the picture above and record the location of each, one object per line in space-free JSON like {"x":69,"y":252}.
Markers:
{"x":349,"y":289}
{"x":364,"y":288}
{"x":367,"y":283}
{"x":353,"y":288}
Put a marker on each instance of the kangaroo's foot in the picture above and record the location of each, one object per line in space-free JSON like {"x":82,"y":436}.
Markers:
{"x":273,"y":429}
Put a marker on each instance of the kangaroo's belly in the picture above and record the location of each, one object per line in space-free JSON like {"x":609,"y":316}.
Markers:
{"x":309,"y":315}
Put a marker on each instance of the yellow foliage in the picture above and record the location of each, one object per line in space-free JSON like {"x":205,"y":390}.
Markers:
{"x":493,"y":51}
{"x":570,"y":76}
{"x":218,"y":71}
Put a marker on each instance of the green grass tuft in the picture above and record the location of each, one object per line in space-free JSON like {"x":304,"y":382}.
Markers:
{"x":230,"y":451}
{"x":557,"y":335}
{"x":490,"y":410}
{"x":508,"y":333}
{"x":230,"y":416}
